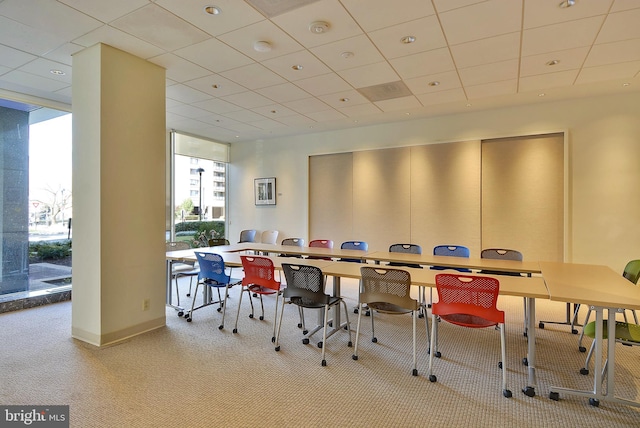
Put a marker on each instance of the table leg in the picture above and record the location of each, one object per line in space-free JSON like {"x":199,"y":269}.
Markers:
{"x":597,"y":394}
{"x":169,"y":289}
{"x":530,"y":389}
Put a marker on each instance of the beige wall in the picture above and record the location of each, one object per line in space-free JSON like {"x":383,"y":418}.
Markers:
{"x":604,"y":145}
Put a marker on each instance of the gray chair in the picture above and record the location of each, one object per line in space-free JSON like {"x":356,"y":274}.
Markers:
{"x":180,"y":269}
{"x":293,"y":242}
{"x":305,"y":289}
{"x":248,"y":235}
{"x":387,"y":291}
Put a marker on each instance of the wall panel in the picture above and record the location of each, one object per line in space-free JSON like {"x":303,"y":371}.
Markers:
{"x":381,"y":197}
{"x":523,"y":195}
{"x":445,"y":195}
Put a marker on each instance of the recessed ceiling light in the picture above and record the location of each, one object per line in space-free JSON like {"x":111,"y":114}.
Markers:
{"x":626,"y":84}
{"x":469,"y":104}
{"x":346,"y":55}
{"x":212,"y":10}
{"x":262,"y":46}
{"x":297,"y":67}
{"x":344,"y":100}
{"x":567,"y":3}
{"x":57,"y":72}
{"x":408,"y":39}
{"x":542,"y":94}
{"x":434,"y":83}
{"x":274,"y":111}
{"x":408,"y":114}
{"x":215,"y":86}
{"x":319,"y":27}
{"x":553,"y":62}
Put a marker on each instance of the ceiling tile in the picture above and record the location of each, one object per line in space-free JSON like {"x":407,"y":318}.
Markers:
{"x":490,"y":90}
{"x":609,"y":53}
{"x":543,"y":13}
{"x":217,"y":105}
{"x":345,"y":98}
{"x":274,"y":111}
{"x":360,"y":110}
{"x":38,"y":82}
{"x":497,"y":17}
{"x":284,"y":92}
{"x":442,"y":97}
{"x":486,"y":51}
{"x":424,"y":63}
{"x":13,"y":58}
{"x":283,"y":66}
{"x":403,"y":103}
{"x":445,"y":5}
{"x":427,"y":32}
{"x":119,"y":39}
{"x":222,"y":88}
{"x":495,"y":72}
{"x":214,"y":55}
{"x":144,"y":22}
{"x":296,"y":120}
{"x":620,"y":26}
{"x":105,"y":11}
{"x":22,"y":37}
{"x":626,"y":70}
{"x":387,"y":13}
{"x":253,"y":76}
{"x":445,"y":81}
{"x":348,"y":53}
{"x":297,"y":22}
{"x":325,"y":84}
{"x":547,"y":81}
{"x":307,"y":105}
{"x":179,"y":69}
{"x":248,"y":100}
{"x":245,"y":116}
{"x":185,"y":94}
{"x":559,"y":37}
{"x":244,"y":40}
{"x":42,"y":67}
{"x":567,"y":60}
{"x":63,"y":54}
{"x":369,"y":75}
{"x":326,"y":115}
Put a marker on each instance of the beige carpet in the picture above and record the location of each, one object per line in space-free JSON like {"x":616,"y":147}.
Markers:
{"x":194,"y":375}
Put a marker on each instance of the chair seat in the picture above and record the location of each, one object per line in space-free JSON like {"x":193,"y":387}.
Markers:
{"x":467,"y":320}
{"x":388,"y":308}
{"x":313,"y":303}
{"x":626,"y":332}
{"x":258,"y":289}
{"x":214,"y":283}
{"x":184,"y":269}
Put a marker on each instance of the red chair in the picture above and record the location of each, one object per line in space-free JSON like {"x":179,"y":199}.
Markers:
{"x":321,"y":243}
{"x":259,"y":279}
{"x":468,"y":301}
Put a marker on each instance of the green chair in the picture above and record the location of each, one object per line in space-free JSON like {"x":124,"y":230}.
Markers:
{"x":626,"y":333}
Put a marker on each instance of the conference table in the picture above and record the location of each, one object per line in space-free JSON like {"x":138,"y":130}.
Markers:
{"x":530,"y":287}
{"x":602,"y":289}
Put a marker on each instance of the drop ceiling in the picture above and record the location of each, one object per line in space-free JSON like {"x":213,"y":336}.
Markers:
{"x":330,"y":64}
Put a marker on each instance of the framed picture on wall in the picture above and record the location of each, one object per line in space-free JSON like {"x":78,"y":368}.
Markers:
{"x":264,"y":190}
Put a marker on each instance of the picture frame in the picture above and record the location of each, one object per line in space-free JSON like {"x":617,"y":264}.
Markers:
{"x":264,"y":190}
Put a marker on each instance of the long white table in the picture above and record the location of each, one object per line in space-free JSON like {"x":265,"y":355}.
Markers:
{"x":603,"y":289}
{"x":531,"y":288}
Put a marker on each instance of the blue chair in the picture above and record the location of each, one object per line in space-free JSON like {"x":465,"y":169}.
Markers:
{"x":353,"y":245}
{"x":448,"y":250}
{"x":212,"y":274}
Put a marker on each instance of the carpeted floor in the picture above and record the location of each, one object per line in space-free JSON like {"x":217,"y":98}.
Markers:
{"x":194,"y":375}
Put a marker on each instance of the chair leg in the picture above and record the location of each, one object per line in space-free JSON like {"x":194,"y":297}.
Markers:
{"x":277,"y":343}
{"x":224,"y":306}
{"x":586,"y":321}
{"x":355,"y":350}
{"x":434,"y":333}
{"x":348,"y":326}
{"x":242,"y":290}
{"x":189,"y":316}
{"x":503,"y":351}
{"x":175,"y":277}
{"x":275,"y":316}
{"x":324,"y":333}
{"x":415,"y":364}
{"x":374,"y":339}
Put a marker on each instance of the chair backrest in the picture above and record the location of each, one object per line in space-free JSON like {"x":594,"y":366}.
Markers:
{"x":260,"y":271}
{"x":467,"y":300}
{"x":294,"y":242}
{"x":269,"y":237}
{"x":354,"y":245}
{"x":215,"y":242}
{"x":501,"y":254}
{"x":405,"y":248}
{"x":387,"y":285}
{"x":177,"y":245}
{"x":321,"y":243}
{"x":451,"y":250}
{"x":305,"y":285}
{"x":248,"y":235}
{"x":632,"y":271}
{"x":212,"y":268}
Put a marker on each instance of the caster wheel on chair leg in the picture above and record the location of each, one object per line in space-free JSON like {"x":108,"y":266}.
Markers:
{"x":180,"y":314}
{"x":506,"y":393}
{"x":305,"y":341}
{"x":500,"y":364}
{"x":525,"y":361}
{"x":574,"y":331}
{"x":250,"y":315}
{"x":594,"y":402}
{"x":261,"y":318}
{"x":432,"y":378}
{"x":584,"y":371}
{"x":235,"y":330}
{"x":350,"y":344}
{"x":299,"y":325}
{"x":554,"y":396}
{"x":582,"y":349}
{"x":320,"y":345}
{"x":414,"y":372}
{"x":324,"y":363}
{"x":529,"y":391}
{"x":277,"y":348}
{"x":541,"y":325}
{"x":354,"y":357}
{"x":374,"y":340}
{"x":220,"y":327}
{"x":273,"y":339}
{"x":437,"y":354}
